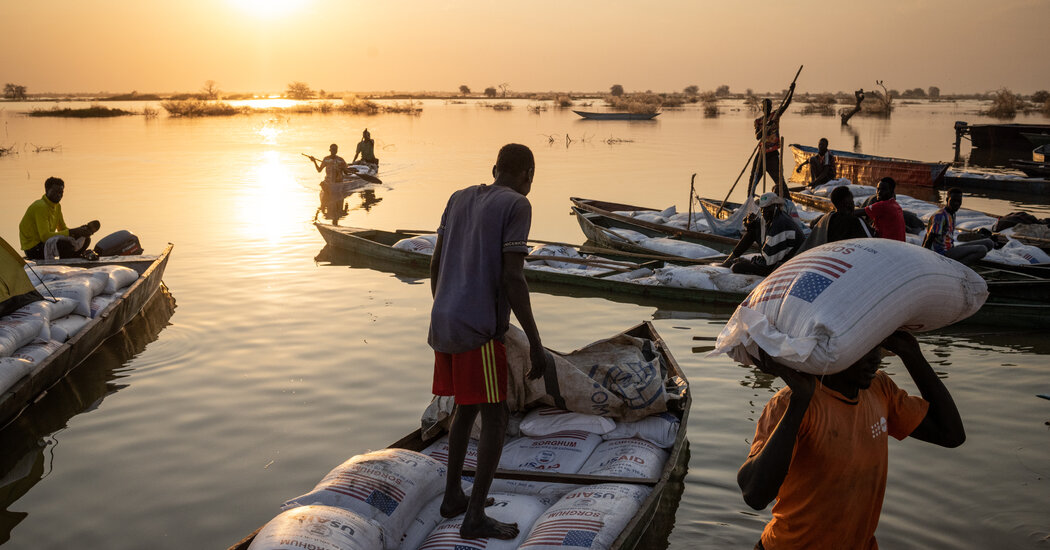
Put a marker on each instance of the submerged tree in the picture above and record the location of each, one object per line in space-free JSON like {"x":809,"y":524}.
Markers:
{"x":299,"y":90}
{"x":464,"y":89}
{"x":210,"y":90}
{"x":504,"y":88}
{"x":692,"y":89}
{"x":490,"y":91}
{"x":722,"y":90}
{"x":616,"y":90}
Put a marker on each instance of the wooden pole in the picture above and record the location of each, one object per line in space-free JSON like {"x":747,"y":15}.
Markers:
{"x":692,"y":192}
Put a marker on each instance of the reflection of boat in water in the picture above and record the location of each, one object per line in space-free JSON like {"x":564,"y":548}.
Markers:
{"x":651,"y":525}
{"x":25,"y":441}
{"x":616,"y":116}
{"x":105,"y":324}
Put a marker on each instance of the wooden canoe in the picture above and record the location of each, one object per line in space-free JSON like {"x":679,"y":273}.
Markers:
{"x":616,"y":116}
{"x":599,"y":230}
{"x":107,"y":323}
{"x":869,"y":169}
{"x":999,"y":183}
{"x":636,"y":534}
{"x":373,"y":248}
{"x":1002,"y":136}
{"x":608,"y":210}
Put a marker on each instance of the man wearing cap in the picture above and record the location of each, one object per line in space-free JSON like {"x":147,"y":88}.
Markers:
{"x":779,"y":235}
{"x":477,"y":279}
{"x":43,"y":233}
{"x":821,"y":446}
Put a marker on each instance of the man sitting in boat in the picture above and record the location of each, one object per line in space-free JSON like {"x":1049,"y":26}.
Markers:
{"x":333,"y":165}
{"x":940,"y":233}
{"x":886,"y":215}
{"x":838,"y":225}
{"x":821,"y":165}
{"x":477,"y":279}
{"x":366,"y":149}
{"x":820,"y":446}
{"x":43,"y":233}
{"x":779,"y":234}
{"x":767,"y":127}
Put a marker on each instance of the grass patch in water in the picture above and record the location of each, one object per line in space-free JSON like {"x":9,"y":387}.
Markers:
{"x":94,"y":111}
{"x":190,"y":108}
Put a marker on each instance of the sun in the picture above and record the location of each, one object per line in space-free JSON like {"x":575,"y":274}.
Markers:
{"x":269,"y":9}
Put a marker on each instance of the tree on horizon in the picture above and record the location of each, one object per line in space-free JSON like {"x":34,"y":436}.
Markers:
{"x":14,"y":91}
{"x":464,"y":89}
{"x":299,"y":90}
{"x":490,"y":91}
{"x":692,"y":89}
{"x":616,"y":90}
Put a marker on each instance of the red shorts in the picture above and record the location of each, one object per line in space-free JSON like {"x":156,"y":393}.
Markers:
{"x":473,"y":377}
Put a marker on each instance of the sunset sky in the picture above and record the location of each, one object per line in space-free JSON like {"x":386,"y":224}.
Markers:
{"x":583,"y":45}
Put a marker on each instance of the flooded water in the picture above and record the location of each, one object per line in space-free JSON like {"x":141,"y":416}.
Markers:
{"x":191,"y":429}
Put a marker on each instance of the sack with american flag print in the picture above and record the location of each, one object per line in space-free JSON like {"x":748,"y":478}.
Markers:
{"x":826,"y":308}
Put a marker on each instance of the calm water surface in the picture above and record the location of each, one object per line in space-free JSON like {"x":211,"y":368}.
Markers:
{"x":192,"y":428}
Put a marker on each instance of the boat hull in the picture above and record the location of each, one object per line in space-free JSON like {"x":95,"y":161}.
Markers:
{"x":616,"y":116}
{"x":869,"y":169}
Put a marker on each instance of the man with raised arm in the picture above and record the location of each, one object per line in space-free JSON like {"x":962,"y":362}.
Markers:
{"x":477,"y":279}
{"x":767,"y":127}
{"x":821,"y":445}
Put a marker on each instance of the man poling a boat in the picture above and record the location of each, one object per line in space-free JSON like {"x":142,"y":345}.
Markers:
{"x":43,"y":233}
{"x":821,"y":446}
{"x":477,"y":278}
{"x":767,"y":131}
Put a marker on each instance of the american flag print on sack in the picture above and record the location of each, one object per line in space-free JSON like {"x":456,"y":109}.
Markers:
{"x":452,"y":541}
{"x":578,"y":533}
{"x":379,"y":494}
{"x":804,"y":278}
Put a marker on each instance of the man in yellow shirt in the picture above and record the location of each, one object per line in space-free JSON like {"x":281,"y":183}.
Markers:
{"x":43,"y":233}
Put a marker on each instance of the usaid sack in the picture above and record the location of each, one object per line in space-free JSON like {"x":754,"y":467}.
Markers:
{"x":548,"y":420}
{"x":563,"y":452}
{"x":319,"y":528}
{"x":589,"y":517}
{"x":826,"y":308}
{"x":388,"y":487}
{"x":508,"y":508}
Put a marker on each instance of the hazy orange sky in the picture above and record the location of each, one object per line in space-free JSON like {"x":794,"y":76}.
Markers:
{"x":960,"y":46}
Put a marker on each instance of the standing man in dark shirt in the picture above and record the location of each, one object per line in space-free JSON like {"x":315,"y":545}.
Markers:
{"x":366,"y":149}
{"x":767,"y":127}
{"x":477,"y":278}
{"x":821,"y":165}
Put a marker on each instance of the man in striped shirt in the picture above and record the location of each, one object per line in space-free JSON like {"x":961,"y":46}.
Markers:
{"x":779,"y":235}
{"x":940,"y":233}
{"x":477,"y":279}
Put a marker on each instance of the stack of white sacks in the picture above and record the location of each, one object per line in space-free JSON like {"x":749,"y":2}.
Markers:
{"x":73,"y":296}
{"x":390,"y":499}
{"x":1014,"y":253}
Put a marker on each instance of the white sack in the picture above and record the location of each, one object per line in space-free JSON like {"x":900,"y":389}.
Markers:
{"x":47,"y":273}
{"x":553,"y":491}
{"x":589,"y":517}
{"x":559,"y":251}
{"x":12,"y":369}
{"x":67,"y":327}
{"x":659,"y":429}
{"x":508,"y":508}
{"x":36,"y":353}
{"x":416,"y":244}
{"x":826,"y":308}
{"x":1030,"y":254}
{"x":425,"y":521}
{"x":34,"y":317}
{"x":626,"y":458}
{"x":630,"y":275}
{"x":81,"y":289}
{"x":439,"y":451}
{"x":675,"y":247}
{"x":101,"y":302}
{"x":118,"y":277}
{"x":685,"y":277}
{"x":628,"y":235}
{"x":388,"y":487}
{"x":318,"y":528}
{"x":651,"y":218}
{"x":15,"y":333}
{"x":735,"y":282}
{"x":50,"y":308}
{"x":543,"y":421}
{"x":563,"y":452}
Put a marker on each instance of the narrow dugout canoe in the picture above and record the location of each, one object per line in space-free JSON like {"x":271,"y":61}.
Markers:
{"x":375,"y":248}
{"x":869,"y":169}
{"x":107,"y":323}
{"x":609,"y":211}
{"x":616,"y":116}
{"x":666,"y":489}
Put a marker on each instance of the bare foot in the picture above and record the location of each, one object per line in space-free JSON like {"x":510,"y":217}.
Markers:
{"x":488,"y":528}
{"x":454,"y":505}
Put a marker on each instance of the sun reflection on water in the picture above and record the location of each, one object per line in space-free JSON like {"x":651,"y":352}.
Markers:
{"x":264,"y":209}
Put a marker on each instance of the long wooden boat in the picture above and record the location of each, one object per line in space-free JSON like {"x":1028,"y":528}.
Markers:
{"x":636,"y":533}
{"x":1002,"y":183}
{"x":375,"y":248}
{"x":608,"y":210}
{"x":1001,"y":136}
{"x":107,"y":323}
{"x":869,"y":169}
{"x":1031,"y":168}
{"x":616,"y":116}
{"x":599,"y":230}
{"x":1038,"y":139}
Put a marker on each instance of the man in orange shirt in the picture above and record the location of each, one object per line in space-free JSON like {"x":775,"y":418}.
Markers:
{"x":821,"y":446}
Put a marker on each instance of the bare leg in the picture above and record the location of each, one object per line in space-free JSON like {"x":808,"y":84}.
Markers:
{"x":475,"y":523}
{"x":455,"y":501}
